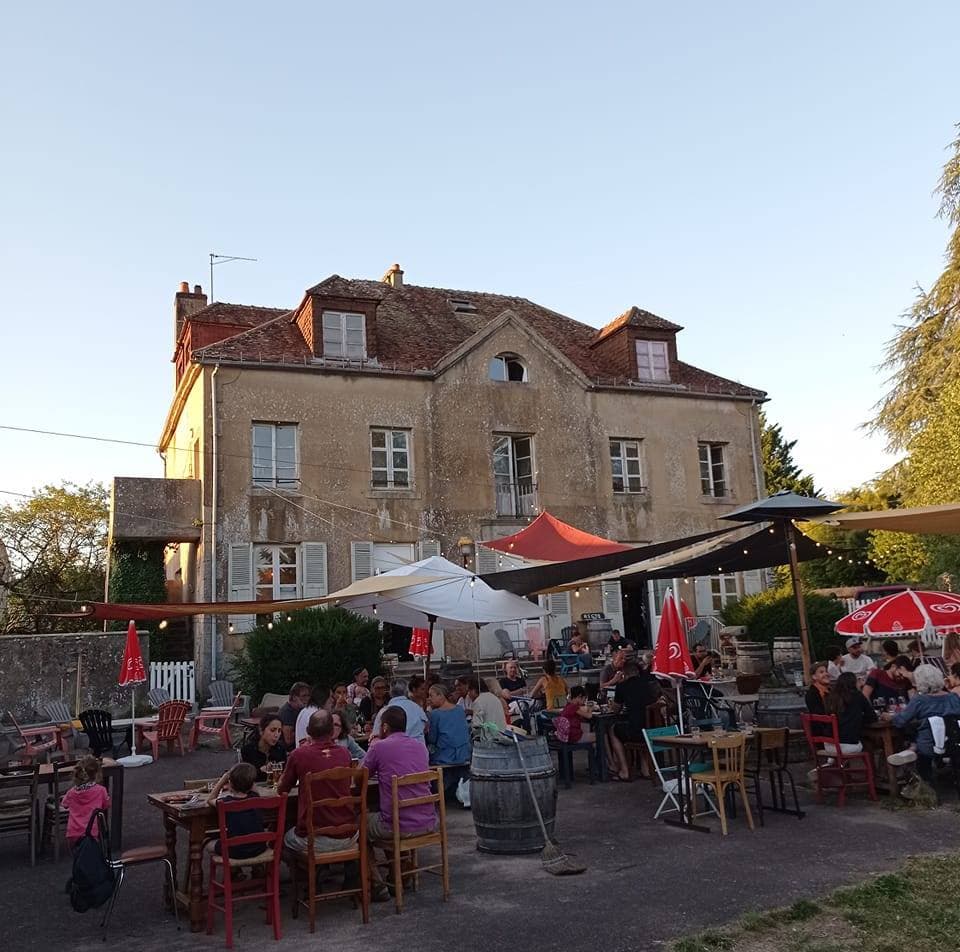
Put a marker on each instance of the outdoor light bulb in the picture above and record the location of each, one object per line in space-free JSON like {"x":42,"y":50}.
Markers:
{"x":83,"y":608}
{"x":289,"y":618}
{"x":829,"y":551}
{"x":230,"y":628}
{"x":746,"y":551}
{"x":269,"y":626}
{"x":770,"y":531}
{"x":473,"y":582}
{"x":163,"y":624}
{"x":576,"y":593}
{"x":839,"y":558}
{"x":818,"y":545}
{"x":374,"y":609}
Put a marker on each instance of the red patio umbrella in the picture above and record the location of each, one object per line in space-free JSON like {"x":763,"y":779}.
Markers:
{"x":672,"y":655}
{"x":904,"y":613}
{"x":132,"y":673}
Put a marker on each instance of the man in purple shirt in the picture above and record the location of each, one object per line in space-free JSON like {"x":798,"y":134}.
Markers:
{"x":395,"y":754}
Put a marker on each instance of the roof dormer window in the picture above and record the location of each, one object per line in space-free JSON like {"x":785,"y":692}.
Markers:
{"x":653,"y":362}
{"x":508,"y":367}
{"x":344,"y":335}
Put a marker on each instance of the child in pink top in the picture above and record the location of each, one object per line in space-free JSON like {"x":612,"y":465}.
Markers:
{"x":83,"y":799}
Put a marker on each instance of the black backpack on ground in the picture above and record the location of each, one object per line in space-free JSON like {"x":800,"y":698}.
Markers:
{"x":93,"y":879}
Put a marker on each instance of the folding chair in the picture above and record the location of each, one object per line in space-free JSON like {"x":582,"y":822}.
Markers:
{"x":568,"y":661}
{"x":58,"y":713}
{"x":355,"y":780}
{"x":221,"y":694}
{"x":158,"y":696}
{"x":835,"y":769}
{"x":669,"y":775}
{"x":98,"y":726}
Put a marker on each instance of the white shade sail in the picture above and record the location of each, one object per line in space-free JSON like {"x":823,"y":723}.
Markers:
{"x":438,"y":587}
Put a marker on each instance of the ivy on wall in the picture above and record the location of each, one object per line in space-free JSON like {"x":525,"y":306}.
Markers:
{"x":137,"y":575}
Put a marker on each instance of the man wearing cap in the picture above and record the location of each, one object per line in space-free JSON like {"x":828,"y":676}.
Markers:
{"x":855,"y":661}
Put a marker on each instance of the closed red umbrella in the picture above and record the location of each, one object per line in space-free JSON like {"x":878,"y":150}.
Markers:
{"x":132,"y":673}
{"x":904,"y":613}
{"x":131,"y":668}
{"x":672,"y":654}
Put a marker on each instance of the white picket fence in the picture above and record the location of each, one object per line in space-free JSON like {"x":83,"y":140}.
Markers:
{"x":178,"y":677}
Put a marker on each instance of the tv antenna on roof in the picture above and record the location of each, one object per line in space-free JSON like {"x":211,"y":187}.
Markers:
{"x":222,"y":259}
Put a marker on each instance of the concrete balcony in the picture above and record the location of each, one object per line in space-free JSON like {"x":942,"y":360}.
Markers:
{"x":155,"y":510}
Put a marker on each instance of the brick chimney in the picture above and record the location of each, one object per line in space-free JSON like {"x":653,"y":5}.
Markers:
{"x":394,"y":276}
{"x":185,"y":303}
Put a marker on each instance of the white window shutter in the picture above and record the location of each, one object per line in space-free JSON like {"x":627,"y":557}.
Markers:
{"x":704,"y":595}
{"x":361,"y":560}
{"x":428,"y":548}
{"x":314,"y":561}
{"x":558,"y":604}
{"x":240,"y":583}
{"x":488,"y":561}
{"x":752,"y":582}
{"x":612,"y":604}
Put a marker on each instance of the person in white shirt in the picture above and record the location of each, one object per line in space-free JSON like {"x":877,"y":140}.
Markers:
{"x":320,"y":697}
{"x":855,"y":661}
{"x":487,"y":707}
{"x":834,"y":662}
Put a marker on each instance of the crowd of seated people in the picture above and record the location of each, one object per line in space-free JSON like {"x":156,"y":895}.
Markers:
{"x":906,"y":689}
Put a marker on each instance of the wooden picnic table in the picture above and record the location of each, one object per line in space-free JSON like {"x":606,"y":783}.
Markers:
{"x":188,"y":810}
{"x":113,"y":778}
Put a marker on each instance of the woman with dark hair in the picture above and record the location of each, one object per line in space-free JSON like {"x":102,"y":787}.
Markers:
{"x":551,"y":686}
{"x":852,"y":710}
{"x":265,"y":746}
{"x":379,"y":697}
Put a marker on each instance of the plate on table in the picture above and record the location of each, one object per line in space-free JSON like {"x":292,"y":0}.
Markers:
{"x":178,"y":799}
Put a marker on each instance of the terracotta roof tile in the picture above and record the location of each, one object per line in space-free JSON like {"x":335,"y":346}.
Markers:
{"x":638,"y":317}
{"x":241,"y":314}
{"x":418,"y":326}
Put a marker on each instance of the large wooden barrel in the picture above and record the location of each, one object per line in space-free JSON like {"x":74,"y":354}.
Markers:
{"x":787,"y":651}
{"x":753,"y":657}
{"x":599,"y":631}
{"x":503,"y":813}
{"x":780,"y":707}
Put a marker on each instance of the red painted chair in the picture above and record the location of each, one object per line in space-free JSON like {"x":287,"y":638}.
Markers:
{"x":37,"y":740}
{"x":170,"y":719}
{"x":214,"y":721}
{"x":264,"y":884}
{"x":836,"y":770}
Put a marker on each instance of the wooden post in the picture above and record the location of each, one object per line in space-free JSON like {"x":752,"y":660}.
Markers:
{"x":791,"y":539}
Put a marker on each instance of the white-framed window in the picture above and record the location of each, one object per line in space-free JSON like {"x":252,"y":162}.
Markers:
{"x":723,"y":591}
{"x":713,"y":476}
{"x":390,"y":458}
{"x":513,"y":475}
{"x":344,"y":335}
{"x":275,"y":454}
{"x":652,"y":361}
{"x":508,"y":367}
{"x":276,"y":572}
{"x":625,"y":466}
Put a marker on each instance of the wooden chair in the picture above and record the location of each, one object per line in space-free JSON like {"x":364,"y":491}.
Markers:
{"x":38,"y":739}
{"x":727,"y":771}
{"x":352,"y":779}
{"x":19,"y":804}
{"x":400,"y":848}
{"x":170,"y":719}
{"x":773,"y":753}
{"x":215,"y":722}
{"x":835,"y":769}
{"x":54,"y":815}
{"x":222,"y":893}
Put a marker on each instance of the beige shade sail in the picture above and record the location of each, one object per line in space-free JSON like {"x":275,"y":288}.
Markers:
{"x":376,"y":584}
{"x":923,"y":520}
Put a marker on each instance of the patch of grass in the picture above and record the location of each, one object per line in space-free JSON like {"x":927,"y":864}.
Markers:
{"x":913,"y":908}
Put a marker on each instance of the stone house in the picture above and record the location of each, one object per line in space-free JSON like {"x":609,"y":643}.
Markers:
{"x":377,"y":422}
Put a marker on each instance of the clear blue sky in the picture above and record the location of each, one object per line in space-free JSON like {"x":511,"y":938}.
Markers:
{"x":760,"y":173}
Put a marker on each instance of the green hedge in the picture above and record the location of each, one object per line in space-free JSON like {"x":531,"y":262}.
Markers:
{"x":319,"y":646}
{"x":773,"y":614}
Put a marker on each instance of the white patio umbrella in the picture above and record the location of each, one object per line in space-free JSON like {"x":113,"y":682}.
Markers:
{"x":453,"y":596}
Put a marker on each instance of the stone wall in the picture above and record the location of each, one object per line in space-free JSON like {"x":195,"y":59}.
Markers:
{"x":36,"y":669}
